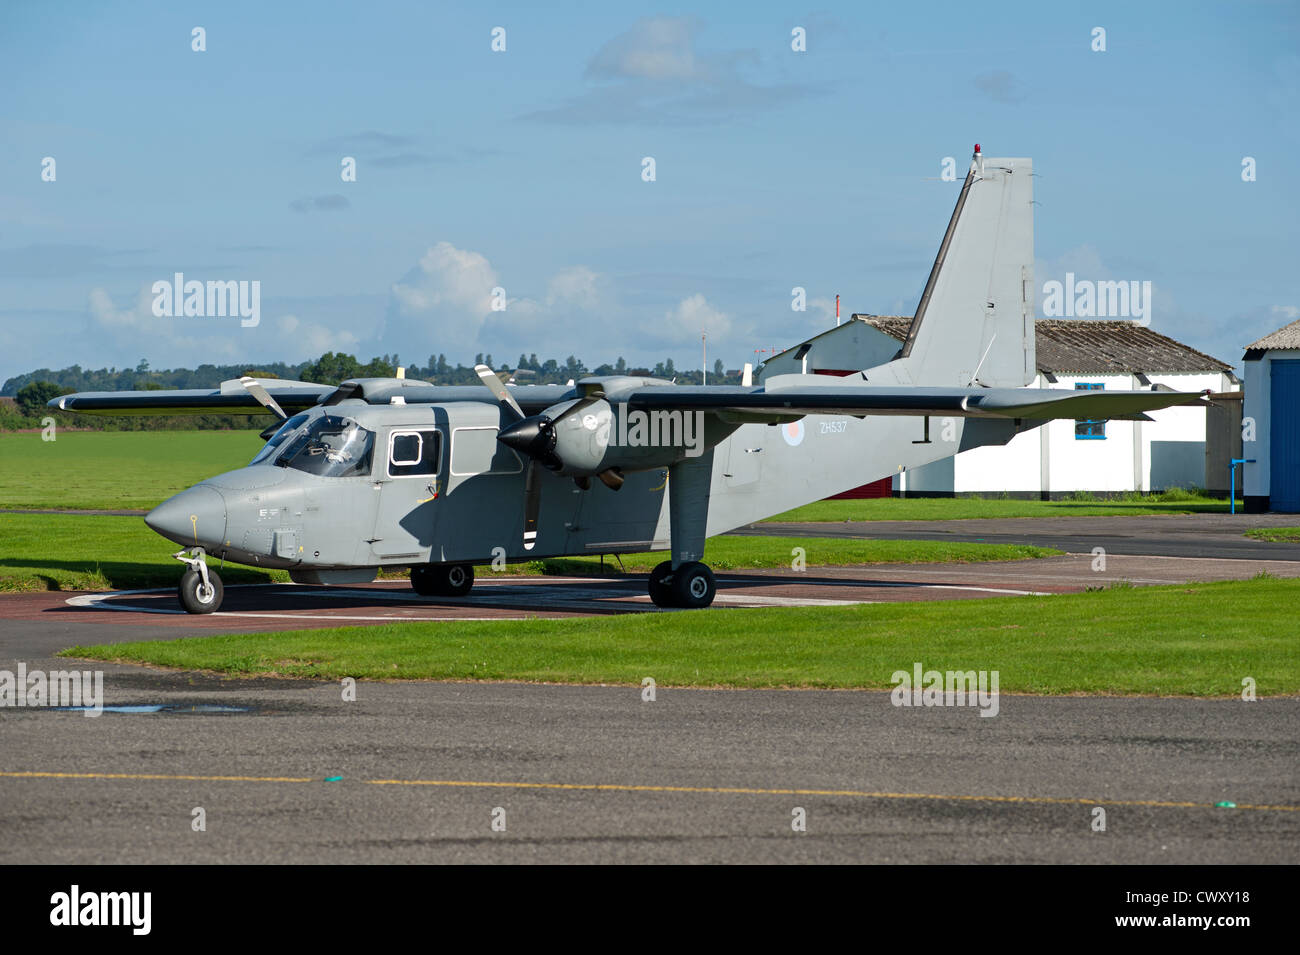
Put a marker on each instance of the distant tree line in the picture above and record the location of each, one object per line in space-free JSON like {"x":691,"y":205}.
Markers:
{"x":31,"y":391}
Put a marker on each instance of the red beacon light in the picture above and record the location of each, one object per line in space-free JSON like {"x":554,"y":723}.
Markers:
{"x":977,"y":147}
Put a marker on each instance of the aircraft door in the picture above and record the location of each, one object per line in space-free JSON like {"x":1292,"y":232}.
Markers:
{"x":408,"y":474}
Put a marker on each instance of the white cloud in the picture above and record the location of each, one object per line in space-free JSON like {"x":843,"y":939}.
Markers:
{"x":654,"y":73}
{"x":655,"y":48}
{"x":577,"y":286}
{"x":132,"y":331}
{"x":694,"y":315}
{"x":451,"y":277}
{"x":316,"y":339}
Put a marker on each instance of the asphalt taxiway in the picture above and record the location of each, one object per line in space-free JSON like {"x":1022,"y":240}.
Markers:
{"x":418,"y":772}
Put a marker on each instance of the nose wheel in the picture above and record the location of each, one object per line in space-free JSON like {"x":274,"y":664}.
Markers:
{"x":691,"y":586}
{"x":200,"y":590}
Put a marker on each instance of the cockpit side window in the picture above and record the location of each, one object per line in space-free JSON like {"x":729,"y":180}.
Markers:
{"x":412,"y":453}
{"x":277,"y":439}
{"x":331,"y":446}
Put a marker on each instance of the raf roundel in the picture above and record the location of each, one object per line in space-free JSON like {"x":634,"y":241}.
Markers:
{"x":793,"y":433}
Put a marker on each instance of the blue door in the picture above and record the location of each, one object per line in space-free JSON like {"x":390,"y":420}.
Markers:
{"x":1284,"y":428}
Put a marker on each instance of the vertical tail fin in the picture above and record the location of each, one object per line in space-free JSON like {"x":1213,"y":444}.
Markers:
{"x":975,"y":320}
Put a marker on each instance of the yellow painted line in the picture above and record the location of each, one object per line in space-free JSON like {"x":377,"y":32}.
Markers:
{"x":629,"y":788}
{"x":857,"y":793}
{"x":209,"y":779}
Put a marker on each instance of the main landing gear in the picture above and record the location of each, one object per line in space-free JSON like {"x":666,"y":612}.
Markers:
{"x":442,"y":580}
{"x":200,"y":590}
{"x":690,"y":586}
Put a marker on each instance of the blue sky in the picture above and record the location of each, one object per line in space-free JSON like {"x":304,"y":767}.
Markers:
{"x":522,"y":169}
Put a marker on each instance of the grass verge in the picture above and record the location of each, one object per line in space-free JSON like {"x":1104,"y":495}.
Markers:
{"x":1278,"y":535}
{"x":1191,"y":640}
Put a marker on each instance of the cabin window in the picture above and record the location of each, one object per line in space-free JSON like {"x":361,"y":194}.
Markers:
{"x":331,"y":446}
{"x":413,"y":453}
{"x":1089,"y":429}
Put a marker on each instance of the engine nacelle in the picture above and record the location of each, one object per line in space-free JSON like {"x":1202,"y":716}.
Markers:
{"x":584,"y":437}
{"x":581,"y":439}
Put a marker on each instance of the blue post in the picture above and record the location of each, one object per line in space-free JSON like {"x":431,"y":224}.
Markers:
{"x":1232,"y":482}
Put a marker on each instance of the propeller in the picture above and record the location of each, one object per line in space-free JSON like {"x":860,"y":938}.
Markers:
{"x":263,"y":399}
{"x":266,"y":401}
{"x":499,"y":390}
{"x":534,"y":437}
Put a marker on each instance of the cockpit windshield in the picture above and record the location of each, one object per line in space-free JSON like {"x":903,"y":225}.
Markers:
{"x":277,"y":439}
{"x":330,"y":446}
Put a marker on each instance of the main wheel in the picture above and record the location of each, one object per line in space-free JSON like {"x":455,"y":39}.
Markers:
{"x":693,"y":586}
{"x":442,"y":580}
{"x":456,"y":580}
{"x":196,"y":598}
{"x":661,"y":591}
{"x":422,"y":580}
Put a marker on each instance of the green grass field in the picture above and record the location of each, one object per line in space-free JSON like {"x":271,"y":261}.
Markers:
{"x":1277,"y":535}
{"x":1191,"y":640}
{"x":114,"y":470}
{"x":103,"y":552}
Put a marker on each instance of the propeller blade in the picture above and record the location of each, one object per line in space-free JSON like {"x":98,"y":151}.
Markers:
{"x":498,"y":389}
{"x":264,"y":399}
{"x":532,"y":503}
{"x":579,"y":405}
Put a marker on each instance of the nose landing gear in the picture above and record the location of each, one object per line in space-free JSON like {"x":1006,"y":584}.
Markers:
{"x":200,"y":590}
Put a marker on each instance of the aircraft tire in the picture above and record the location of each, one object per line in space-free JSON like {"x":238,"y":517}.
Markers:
{"x":661,"y":592}
{"x":423,"y":580}
{"x":694,"y":586}
{"x":442,"y":580}
{"x":192,"y":596}
{"x":455,"y":580}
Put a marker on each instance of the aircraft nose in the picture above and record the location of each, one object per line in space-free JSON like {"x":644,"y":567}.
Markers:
{"x":194,"y":518}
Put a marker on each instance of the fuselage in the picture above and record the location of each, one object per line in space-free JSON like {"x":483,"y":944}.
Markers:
{"x":357,"y":486}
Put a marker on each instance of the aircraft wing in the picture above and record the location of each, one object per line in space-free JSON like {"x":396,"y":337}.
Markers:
{"x":231,"y":398}
{"x":791,"y":402}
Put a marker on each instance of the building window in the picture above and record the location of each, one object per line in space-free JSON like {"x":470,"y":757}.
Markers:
{"x":1089,"y":429}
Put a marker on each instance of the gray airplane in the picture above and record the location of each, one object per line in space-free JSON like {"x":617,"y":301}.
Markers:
{"x":394,"y":472}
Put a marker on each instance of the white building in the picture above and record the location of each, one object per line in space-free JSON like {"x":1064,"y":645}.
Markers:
{"x":1272,"y":422}
{"x":1062,"y":457}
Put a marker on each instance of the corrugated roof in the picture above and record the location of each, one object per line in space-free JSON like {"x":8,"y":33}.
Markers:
{"x":1288,"y":336}
{"x":1094,"y":347}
